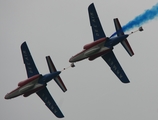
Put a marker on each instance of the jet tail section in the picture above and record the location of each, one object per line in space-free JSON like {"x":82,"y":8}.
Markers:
{"x":125,"y":42}
{"x":52,"y":69}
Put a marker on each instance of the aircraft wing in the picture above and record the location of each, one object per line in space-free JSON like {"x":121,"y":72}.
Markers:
{"x":58,"y":79}
{"x":49,"y":102}
{"x":28,"y":61}
{"x":115,"y":66}
{"x":95,"y":23}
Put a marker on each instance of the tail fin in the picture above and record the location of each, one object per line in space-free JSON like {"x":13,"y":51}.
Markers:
{"x":125,"y":42}
{"x":52,"y":69}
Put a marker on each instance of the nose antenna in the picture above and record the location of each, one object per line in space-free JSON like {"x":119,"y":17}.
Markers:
{"x":139,"y":29}
{"x":71,"y":66}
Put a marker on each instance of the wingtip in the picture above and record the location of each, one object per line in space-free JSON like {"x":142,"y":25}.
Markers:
{"x":60,"y":115}
{"x":92,"y":4}
{"x":65,"y":90}
{"x":115,"y":18}
{"x":126,"y":82}
{"x":24,"y":43}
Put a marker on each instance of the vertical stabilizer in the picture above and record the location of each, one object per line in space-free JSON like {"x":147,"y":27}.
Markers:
{"x":52,"y":69}
{"x":125,"y":42}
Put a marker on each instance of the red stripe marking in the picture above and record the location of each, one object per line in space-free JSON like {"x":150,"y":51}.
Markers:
{"x":22,"y":83}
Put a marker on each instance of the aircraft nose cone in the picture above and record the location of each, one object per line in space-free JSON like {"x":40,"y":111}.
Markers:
{"x":71,"y":60}
{"x":6,"y":96}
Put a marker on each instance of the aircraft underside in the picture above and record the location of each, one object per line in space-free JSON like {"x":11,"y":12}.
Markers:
{"x":23,"y":90}
{"x":92,"y":52}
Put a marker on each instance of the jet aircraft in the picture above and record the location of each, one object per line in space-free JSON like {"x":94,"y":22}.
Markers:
{"x":103,"y":46}
{"x":36,"y":83}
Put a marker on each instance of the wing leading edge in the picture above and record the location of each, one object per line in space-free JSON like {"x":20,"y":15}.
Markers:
{"x":49,"y":102}
{"x":115,"y":66}
{"x":95,"y":23}
{"x":28,"y":61}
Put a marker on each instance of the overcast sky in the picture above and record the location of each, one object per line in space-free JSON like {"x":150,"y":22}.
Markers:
{"x":60,"y":28}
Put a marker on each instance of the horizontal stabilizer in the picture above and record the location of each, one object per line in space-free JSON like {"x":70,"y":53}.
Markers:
{"x":52,"y":69}
{"x":125,"y":42}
